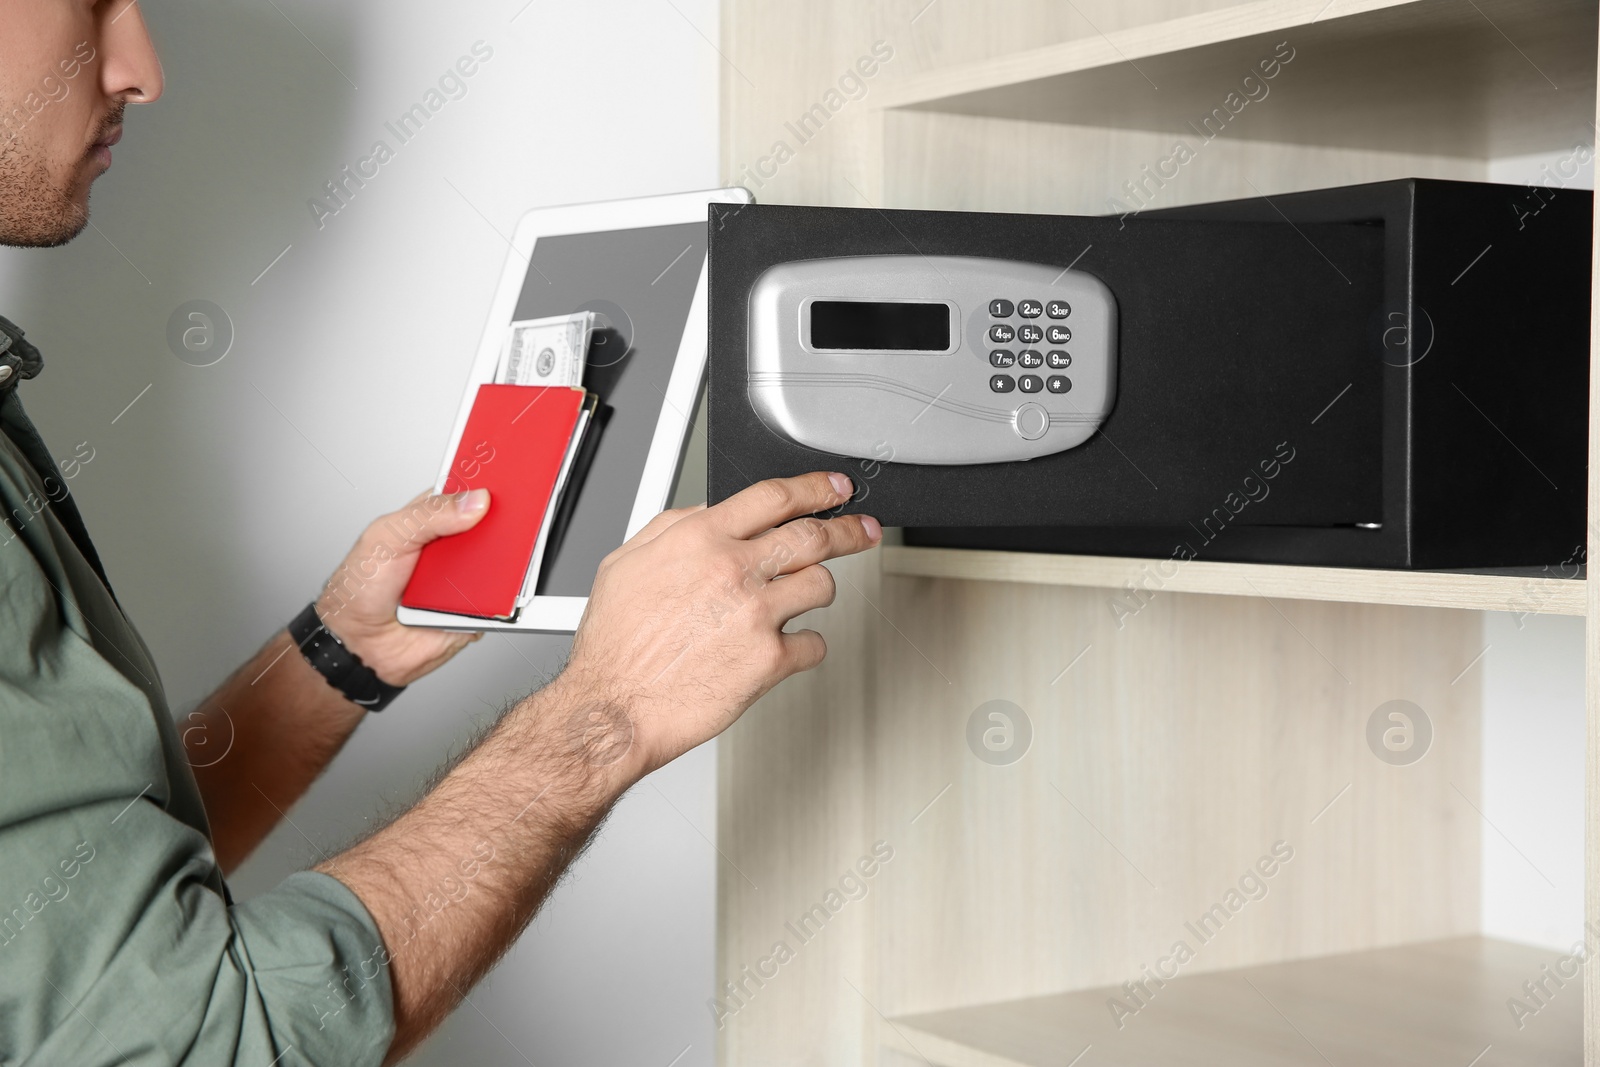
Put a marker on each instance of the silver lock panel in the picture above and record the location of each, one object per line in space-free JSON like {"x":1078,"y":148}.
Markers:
{"x":932,"y":359}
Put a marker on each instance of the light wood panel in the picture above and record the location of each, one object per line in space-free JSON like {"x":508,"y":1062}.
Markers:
{"x":1362,"y":1008}
{"x":1170,"y":750}
{"x":1494,"y":77}
{"x":1133,"y":580}
{"x":1070,"y":169}
{"x":793,"y":817}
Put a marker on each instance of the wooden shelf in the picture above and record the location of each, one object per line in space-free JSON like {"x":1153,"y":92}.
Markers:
{"x":1439,"y":1002}
{"x":1515,"y":592}
{"x":1474,"y":80}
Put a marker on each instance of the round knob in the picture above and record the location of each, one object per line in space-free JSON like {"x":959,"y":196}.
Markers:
{"x":1030,"y":421}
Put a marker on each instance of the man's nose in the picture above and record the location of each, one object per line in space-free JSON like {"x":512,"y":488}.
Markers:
{"x":130,"y":70}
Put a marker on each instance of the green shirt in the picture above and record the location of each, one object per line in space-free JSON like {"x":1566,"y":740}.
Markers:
{"x":119,"y":941}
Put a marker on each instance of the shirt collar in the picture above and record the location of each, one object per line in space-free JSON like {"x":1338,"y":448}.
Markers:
{"x":18,"y":358}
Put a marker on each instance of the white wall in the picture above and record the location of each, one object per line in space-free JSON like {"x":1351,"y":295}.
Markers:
{"x":226,"y":494}
{"x":1532,"y":791}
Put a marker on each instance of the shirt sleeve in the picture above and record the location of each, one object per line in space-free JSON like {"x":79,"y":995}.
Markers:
{"x":119,"y":943}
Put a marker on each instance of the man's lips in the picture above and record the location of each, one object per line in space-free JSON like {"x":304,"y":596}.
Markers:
{"x":101,"y":149}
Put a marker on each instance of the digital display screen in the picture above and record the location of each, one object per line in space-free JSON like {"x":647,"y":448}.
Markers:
{"x":856,"y":325}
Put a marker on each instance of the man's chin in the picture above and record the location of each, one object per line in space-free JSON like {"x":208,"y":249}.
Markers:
{"x":44,"y":229}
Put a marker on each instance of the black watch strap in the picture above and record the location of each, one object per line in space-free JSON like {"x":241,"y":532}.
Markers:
{"x":342,"y":668}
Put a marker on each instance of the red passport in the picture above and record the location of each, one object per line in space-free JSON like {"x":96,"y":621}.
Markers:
{"x":517,"y":444}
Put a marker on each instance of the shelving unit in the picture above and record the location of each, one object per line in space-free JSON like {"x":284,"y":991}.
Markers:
{"x":1533,"y":591}
{"x":1168,"y":747}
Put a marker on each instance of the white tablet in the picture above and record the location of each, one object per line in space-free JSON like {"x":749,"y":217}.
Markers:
{"x":640,"y":266}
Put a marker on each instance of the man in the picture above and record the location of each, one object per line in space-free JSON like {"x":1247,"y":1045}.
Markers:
{"x":119,"y":941}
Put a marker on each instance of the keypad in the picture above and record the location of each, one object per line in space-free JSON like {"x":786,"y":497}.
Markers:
{"x":1030,"y":333}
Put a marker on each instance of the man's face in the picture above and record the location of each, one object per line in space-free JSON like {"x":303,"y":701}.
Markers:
{"x":68,"y":68}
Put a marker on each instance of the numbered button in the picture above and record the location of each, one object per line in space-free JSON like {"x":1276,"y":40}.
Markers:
{"x":1002,"y":383}
{"x":1059,"y":384}
{"x":1001,"y":334}
{"x":1029,"y":309}
{"x":1030,"y":383}
{"x":1058,"y":335}
{"x":1059,"y":360}
{"x":1058,"y":309}
{"x":1029,"y":334}
{"x":1031,"y":359}
{"x":1002,"y":357}
{"x":1000,"y":309}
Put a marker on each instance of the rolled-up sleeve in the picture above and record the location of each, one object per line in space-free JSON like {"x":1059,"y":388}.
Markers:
{"x":119,"y":943}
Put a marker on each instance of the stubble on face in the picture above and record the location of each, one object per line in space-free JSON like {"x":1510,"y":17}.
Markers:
{"x":43,"y":206}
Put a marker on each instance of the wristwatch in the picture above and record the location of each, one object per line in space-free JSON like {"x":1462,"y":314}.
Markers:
{"x":340,"y":667}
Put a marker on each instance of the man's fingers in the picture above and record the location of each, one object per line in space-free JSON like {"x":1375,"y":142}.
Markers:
{"x":800,"y":592}
{"x":777,"y":500}
{"x":803,"y":650}
{"x":803,"y":542}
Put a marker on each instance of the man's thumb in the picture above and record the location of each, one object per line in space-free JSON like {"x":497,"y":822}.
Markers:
{"x":451,"y":514}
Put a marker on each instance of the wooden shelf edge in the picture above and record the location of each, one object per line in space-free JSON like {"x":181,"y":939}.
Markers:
{"x":1431,"y":1001}
{"x":1425,"y":589}
{"x":1121,"y":46}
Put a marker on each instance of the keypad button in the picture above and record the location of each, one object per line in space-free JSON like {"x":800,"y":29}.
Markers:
{"x":1029,"y":334}
{"x":1058,"y":309}
{"x":1002,"y":357}
{"x":1058,"y":335}
{"x":1030,"y":383}
{"x":1059,"y":384}
{"x":1000,"y":309}
{"x":1001,"y":334}
{"x":1029,"y":309}
{"x":1002,"y":383}
{"x":1059,"y":360}
{"x":1031,"y":359}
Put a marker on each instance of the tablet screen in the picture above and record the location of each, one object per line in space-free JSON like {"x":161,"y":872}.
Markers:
{"x":640,"y":283}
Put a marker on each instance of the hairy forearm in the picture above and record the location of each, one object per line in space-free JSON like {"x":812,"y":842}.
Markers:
{"x":454,"y":880}
{"x":260,"y":740}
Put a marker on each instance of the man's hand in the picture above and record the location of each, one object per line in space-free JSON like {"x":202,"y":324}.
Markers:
{"x":684,"y":630}
{"x":359,"y":602}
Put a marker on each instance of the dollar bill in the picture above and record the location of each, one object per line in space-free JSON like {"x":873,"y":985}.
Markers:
{"x":550,"y":351}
